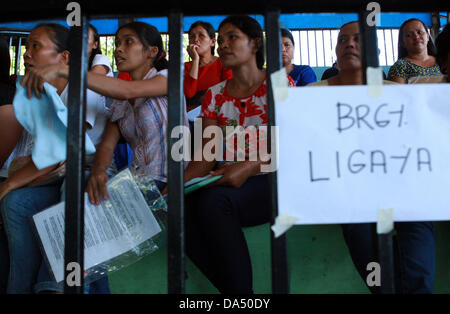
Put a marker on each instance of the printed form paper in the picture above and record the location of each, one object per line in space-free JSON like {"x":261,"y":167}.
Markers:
{"x":112,"y":228}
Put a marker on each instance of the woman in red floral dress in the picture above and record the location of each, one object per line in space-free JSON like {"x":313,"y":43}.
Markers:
{"x":215,"y":215}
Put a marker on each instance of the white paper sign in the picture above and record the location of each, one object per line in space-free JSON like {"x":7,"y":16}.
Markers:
{"x":112,"y":228}
{"x":343,"y":155}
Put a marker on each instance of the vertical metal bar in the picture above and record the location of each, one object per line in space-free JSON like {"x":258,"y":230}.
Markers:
{"x":74,"y":215}
{"x":300,"y":46}
{"x":307,"y":46}
{"x":435,"y":24}
{"x":384,"y":247}
{"x":323,"y":50}
{"x":385,"y":49}
{"x":9,"y":51}
{"x":393,"y":50}
{"x":315,"y":48}
{"x":280,"y":282}
{"x":368,"y":43}
{"x":18,"y":49}
{"x":331,"y":46}
{"x":175,"y":175}
{"x":106,"y":50}
{"x":386,"y":258}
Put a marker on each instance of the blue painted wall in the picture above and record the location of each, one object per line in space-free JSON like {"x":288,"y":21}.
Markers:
{"x":292,"y":21}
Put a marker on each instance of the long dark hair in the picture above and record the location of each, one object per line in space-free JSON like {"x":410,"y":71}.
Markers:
{"x":443,"y":48}
{"x":5,"y":60}
{"x":208,"y":28}
{"x":58,"y":34}
{"x":149,"y":36}
{"x":252,"y":29}
{"x":95,"y":51}
{"x":402,"y":52}
{"x":287,"y":34}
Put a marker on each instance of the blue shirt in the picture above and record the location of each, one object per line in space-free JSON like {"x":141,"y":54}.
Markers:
{"x":45,"y":119}
{"x":303,"y":75}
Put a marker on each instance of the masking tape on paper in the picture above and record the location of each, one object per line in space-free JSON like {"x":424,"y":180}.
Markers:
{"x":385,"y":222}
{"x":280,"y":85}
{"x":282,"y":223}
{"x":374,"y":81}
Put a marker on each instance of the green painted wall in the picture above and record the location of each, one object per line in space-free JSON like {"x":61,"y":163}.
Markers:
{"x":318,"y":263}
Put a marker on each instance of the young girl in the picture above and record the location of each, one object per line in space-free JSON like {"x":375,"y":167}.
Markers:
{"x":205,"y":69}
{"x":141,"y":118}
{"x":215,"y":216}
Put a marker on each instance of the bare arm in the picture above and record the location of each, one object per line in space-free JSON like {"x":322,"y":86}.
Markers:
{"x":120,"y":89}
{"x":11,"y":130}
{"x":99,"y":69}
{"x":203,"y":167}
{"x":103,"y":158}
{"x":22,"y":177}
{"x":108,"y":86}
{"x":234,"y":174}
{"x":192,"y":51}
{"x":397,"y":79}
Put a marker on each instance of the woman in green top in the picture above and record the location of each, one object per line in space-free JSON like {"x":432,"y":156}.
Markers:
{"x":416,"y":53}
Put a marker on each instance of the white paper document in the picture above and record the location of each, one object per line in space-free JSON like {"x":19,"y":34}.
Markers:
{"x":112,"y":228}
{"x":343,"y":155}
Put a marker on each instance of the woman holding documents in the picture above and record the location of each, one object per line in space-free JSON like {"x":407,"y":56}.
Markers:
{"x":27,"y":189}
{"x":216,"y":214}
{"x":139,"y":112}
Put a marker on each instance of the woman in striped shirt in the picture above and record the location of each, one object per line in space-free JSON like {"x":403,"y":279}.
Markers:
{"x":139,"y":112}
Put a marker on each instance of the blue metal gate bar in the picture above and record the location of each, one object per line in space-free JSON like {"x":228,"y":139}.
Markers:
{"x":175,"y":248}
{"x":74,"y":214}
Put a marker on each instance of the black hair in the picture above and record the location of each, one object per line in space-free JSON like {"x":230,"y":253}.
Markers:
{"x":287,"y":33}
{"x":443,"y":48}
{"x":59,"y":35}
{"x":402,"y":52}
{"x":95,"y":51}
{"x":348,"y":24}
{"x":208,"y":28}
{"x":149,"y":36}
{"x":5,"y":60}
{"x":252,"y":29}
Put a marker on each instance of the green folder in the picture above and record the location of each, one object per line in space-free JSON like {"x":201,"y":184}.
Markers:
{"x":198,"y":184}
